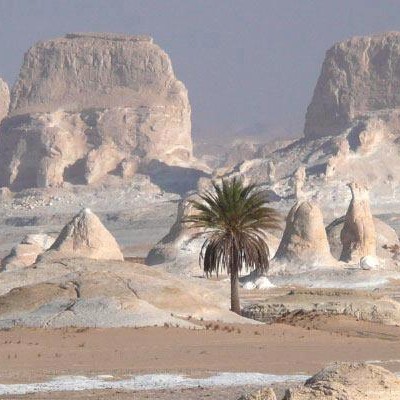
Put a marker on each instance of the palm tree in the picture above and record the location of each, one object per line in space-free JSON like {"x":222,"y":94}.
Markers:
{"x":235,"y":217}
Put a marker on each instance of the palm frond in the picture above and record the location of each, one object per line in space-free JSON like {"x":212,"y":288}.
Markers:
{"x":235,"y":218}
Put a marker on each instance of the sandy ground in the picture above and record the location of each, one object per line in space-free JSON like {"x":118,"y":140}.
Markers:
{"x":35,"y":355}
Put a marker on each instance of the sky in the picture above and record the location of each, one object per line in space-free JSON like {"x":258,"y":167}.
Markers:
{"x":250,"y":66}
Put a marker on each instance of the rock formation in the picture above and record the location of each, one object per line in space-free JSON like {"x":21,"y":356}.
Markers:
{"x":167,"y":248}
{"x":26,"y":253}
{"x":304,"y":240}
{"x":359,"y":77}
{"x":271,"y":171}
{"x":4,"y":99}
{"x":386,"y":237}
{"x":355,"y":381}
{"x":262,"y":394}
{"x":358,"y":235}
{"x":87,"y":105}
{"x":106,"y":293}
{"x":299,"y":179}
{"x":85,"y":237}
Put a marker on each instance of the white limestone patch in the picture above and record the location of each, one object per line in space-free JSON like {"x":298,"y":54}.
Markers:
{"x":145,"y":382}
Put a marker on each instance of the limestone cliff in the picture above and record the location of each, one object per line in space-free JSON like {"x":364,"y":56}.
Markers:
{"x":359,"y":77}
{"x":85,"y":104}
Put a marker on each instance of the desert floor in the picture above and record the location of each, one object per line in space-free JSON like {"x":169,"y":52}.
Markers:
{"x":35,"y":355}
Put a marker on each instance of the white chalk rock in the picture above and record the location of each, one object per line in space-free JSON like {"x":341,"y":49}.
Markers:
{"x":263,"y":283}
{"x":369,"y":262}
{"x":249,"y":285}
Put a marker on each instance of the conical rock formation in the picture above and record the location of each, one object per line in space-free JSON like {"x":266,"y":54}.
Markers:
{"x":358,"y":235}
{"x":304,"y":240}
{"x":85,"y":237}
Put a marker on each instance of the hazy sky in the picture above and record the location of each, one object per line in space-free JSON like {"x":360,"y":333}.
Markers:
{"x":248,"y":65}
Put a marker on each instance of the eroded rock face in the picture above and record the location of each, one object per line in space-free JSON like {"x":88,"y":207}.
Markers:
{"x":168,"y":247}
{"x":304,"y":240}
{"x":85,"y":237}
{"x":86,"y":102}
{"x":386,"y":237}
{"x":25,"y":253}
{"x":358,"y":235}
{"x":360,"y":77}
{"x":4,"y":99}
{"x":262,"y":394}
{"x":355,"y":381}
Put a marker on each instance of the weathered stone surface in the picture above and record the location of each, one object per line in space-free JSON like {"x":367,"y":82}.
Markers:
{"x":360,"y":77}
{"x":299,"y":179}
{"x":300,"y":306}
{"x":358,"y":235}
{"x":386,"y":236}
{"x":304,"y":240}
{"x":85,"y":237}
{"x":85,"y":102}
{"x":355,"y":381}
{"x":262,"y":394}
{"x":4,"y":99}
{"x":106,"y":293}
{"x":26,"y":253}
{"x":168,"y":247}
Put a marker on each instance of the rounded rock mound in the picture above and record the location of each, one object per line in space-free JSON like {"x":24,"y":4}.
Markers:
{"x":355,"y":381}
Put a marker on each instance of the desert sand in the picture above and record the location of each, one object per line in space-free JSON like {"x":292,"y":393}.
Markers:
{"x":37,"y":355}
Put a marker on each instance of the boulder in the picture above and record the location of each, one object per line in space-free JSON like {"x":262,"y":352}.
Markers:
{"x":85,"y":237}
{"x":26,"y":253}
{"x":355,"y":381}
{"x":4,"y":99}
{"x":359,"y":78}
{"x":304,"y":240}
{"x":369,"y":262}
{"x":386,"y":237}
{"x":262,"y":394}
{"x":84,"y":103}
{"x":358,"y":235}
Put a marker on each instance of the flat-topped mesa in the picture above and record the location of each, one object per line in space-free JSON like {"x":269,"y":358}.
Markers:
{"x":81,"y":71}
{"x":358,"y":235}
{"x":84,"y":105}
{"x":360,"y":77}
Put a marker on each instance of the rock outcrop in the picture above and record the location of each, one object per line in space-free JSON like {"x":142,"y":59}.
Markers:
{"x":358,"y":235}
{"x":25,"y":253}
{"x":4,"y":99}
{"x":262,"y":394}
{"x":386,"y":237}
{"x":355,"y":381}
{"x":299,"y":179}
{"x":106,"y":293}
{"x":85,"y":237}
{"x":304,"y":240}
{"x":360,"y":78}
{"x":88,"y":105}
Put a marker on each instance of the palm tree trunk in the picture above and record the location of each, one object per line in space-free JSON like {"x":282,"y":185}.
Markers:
{"x":235,"y":301}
